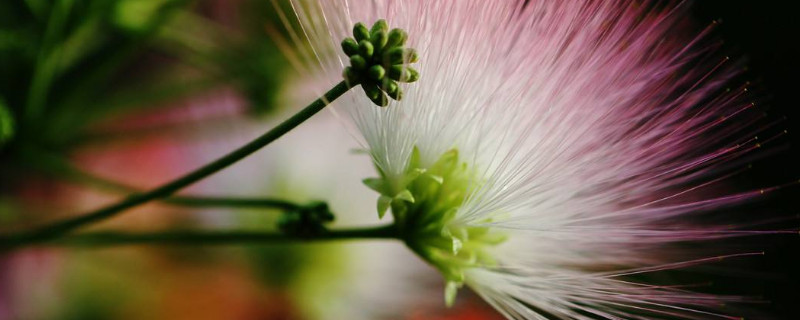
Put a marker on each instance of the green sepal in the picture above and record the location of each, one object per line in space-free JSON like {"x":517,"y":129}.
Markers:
{"x":414,"y":162}
{"x":494,"y":238}
{"x":450,"y":292}
{"x":376,"y":184}
{"x":412,"y":175}
{"x":457,"y":244}
{"x":429,"y":222}
{"x":455,"y":241}
{"x":384,"y":203}
{"x":405,"y":195}
{"x":436,"y":178}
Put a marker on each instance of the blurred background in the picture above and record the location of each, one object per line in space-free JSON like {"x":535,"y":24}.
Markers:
{"x":100,"y":96}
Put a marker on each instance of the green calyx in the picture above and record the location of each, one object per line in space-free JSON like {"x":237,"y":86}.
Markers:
{"x":378,"y":60}
{"x":424,"y":202}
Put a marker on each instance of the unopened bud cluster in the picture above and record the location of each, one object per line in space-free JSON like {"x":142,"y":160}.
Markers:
{"x":306,"y":221}
{"x":378,"y":60}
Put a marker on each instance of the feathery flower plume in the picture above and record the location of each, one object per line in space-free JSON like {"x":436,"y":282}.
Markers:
{"x":549,"y":150}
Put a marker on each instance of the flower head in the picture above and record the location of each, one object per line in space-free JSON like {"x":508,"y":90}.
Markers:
{"x":551,"y":149}
{"x":378,"y":60}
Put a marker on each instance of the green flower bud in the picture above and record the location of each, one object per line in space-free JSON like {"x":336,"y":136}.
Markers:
{"x":358,"y":62}
{"x":376,"y":72}
{"x":398,"y":55}
{"x":366,"y":49}
{"x":377,"y":60}
{"x":379,"y":26}
{"x":379,"y":39}
{"x":350,"y":76}
{"x":403,"y":74}
{"x":393,"y":56}
{"x":375,"y":94}
{"x":350,"y":46}
{"x":396,"y":38}
{"x":410,"y":55}
{"x":393,"y":90}
{"x":360,"y":32}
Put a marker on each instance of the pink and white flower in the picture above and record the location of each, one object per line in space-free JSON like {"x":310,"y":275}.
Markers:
{"x":588,"y":134}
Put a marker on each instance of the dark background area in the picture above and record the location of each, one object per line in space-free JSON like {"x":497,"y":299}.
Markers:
{"x":765,"y":34}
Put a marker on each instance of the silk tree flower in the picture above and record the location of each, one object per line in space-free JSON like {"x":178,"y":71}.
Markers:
{"x":550,"y":150}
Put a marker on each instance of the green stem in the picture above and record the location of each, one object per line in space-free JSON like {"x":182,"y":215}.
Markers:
{"x":214,"y":238}
{"x":57,"y":166}
{"x":226,"y":202}
{"x":62,"y":227}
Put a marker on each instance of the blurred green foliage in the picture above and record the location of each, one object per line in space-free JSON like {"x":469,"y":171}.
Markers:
{"x":6,"y":124}
{"x":66,"y":65}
